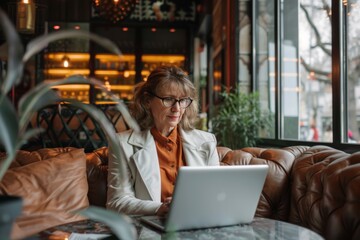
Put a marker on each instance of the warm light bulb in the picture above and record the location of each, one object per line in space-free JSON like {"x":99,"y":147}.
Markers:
{"x":66,"y":61}
{"x":107,"y":83}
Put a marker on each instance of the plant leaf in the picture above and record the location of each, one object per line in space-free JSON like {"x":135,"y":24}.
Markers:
{"x":43,"y":94}
{"x":5,"y":163}
{"x":29,"y":134}
{"x":238,"y":119}
{"x":39,"y":43}
{"x":131,"y":122}
{"x":120,"y":224}
{"x":15,"y":53}
{"x":35,"y":99}
{"x":9,"y":130}
{"x":8,"y":125}
{"x":105,"y":124}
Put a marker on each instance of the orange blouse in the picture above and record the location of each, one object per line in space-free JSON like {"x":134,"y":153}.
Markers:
{"x":169,"y":150}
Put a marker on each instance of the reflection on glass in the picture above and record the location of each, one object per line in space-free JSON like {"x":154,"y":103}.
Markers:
{"x":306,"y":70}
{"x":353,"y":71}
{"x":305,"y":91}
{"x":244,"y":54}
{"x":265,"y":60}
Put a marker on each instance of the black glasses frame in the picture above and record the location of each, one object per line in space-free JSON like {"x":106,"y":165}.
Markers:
{"x":174,"y":100}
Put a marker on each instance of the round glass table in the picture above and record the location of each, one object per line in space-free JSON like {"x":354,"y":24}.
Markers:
{"x":260,"y":228}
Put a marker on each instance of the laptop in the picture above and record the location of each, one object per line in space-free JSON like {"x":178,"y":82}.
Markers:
{"x":212,"y":196}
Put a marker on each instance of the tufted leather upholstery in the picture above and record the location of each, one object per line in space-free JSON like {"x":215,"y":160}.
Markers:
{"x":275,"y":199}
{"x":326,"y":192}
{"x":97,"y":168}
{"x":317,"y":187}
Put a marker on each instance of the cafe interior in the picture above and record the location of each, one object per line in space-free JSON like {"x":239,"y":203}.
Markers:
{"x":278,"y":83}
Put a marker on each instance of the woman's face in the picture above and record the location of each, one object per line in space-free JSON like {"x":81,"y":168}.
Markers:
{"x":166,"y":118}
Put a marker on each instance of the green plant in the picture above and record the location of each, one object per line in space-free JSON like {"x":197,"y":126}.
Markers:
{"x":238,"y":119}
{"x":14,"y":123}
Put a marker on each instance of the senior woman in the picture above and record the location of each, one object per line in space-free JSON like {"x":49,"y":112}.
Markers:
{"x":165,"y":107}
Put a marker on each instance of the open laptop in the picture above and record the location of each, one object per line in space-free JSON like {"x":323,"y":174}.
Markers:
{"x":212,"y":196}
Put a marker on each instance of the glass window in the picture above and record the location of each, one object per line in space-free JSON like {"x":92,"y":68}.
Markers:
{"x":304,"y":82}
{"x":305,"y":63}
{"x":244,"y":53}
{"x":264,"y":72}
{"x":352,"y":70}
{"x":286,"y":50}
{"x":307,"y":67}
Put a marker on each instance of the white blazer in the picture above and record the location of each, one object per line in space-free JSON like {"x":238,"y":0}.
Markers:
{"x":139,"y":192}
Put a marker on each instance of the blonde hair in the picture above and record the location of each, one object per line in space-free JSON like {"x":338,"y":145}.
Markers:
{"x":158,"y":79}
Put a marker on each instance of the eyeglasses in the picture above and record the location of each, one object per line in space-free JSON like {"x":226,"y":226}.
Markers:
{"x":170,"y":101}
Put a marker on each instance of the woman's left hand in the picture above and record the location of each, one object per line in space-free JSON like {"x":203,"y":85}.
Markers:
{"x":164,"y":208}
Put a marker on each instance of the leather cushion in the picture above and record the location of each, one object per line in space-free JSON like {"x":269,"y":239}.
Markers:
{"x":50,"y":189}
{"x":274,"y":201}
{"x":326,"y":192}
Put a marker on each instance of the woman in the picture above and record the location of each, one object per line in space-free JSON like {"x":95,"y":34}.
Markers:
{"x":165,"y":107}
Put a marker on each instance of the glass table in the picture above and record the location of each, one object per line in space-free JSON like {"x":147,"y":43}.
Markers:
{"x":260,"y":228}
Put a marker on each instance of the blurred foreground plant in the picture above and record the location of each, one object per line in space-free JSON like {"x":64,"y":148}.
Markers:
{"x":14,"y":123}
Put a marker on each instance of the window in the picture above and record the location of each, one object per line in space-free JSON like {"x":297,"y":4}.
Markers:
{"x":265,"y":59}
{"x":295,"y":45}
{"x":352,"y":70}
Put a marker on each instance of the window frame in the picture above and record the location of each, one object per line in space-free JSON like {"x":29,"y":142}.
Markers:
{"x":339,"y":95}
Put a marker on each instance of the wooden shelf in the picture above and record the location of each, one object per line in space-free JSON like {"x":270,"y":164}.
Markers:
{"x":116,"y":71}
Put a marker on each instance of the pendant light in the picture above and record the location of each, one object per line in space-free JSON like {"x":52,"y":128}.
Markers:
{"x":66,"y":60}
{"x":25,"y":16}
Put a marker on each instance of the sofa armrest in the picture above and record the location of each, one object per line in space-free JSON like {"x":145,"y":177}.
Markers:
{"x":275,"y":198}
{"x":326,"y":192}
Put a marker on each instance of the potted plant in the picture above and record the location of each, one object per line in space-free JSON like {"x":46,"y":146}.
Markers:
{"x":14,"y":122}
{"x":238,"y":119}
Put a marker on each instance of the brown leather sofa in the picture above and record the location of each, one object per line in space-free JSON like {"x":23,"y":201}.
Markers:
{"x":315,"y":187}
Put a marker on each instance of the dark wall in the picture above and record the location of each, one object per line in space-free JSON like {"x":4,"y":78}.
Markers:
{"x":69,"y":10}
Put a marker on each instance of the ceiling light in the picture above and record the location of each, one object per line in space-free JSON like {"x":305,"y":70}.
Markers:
{"x":114,"y":10}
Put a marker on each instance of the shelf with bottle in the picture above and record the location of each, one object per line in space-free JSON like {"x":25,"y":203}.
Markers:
{"x":118,"y":74}
{"x":116,"y":71}
{"x":152,"y":61}
{"x":59,"y":65}
{"x":63,"y":64}
{"x":76,"y":91}
{"x":122,"y":87}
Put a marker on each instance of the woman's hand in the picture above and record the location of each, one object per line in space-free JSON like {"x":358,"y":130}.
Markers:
{"x":164,"y":208}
